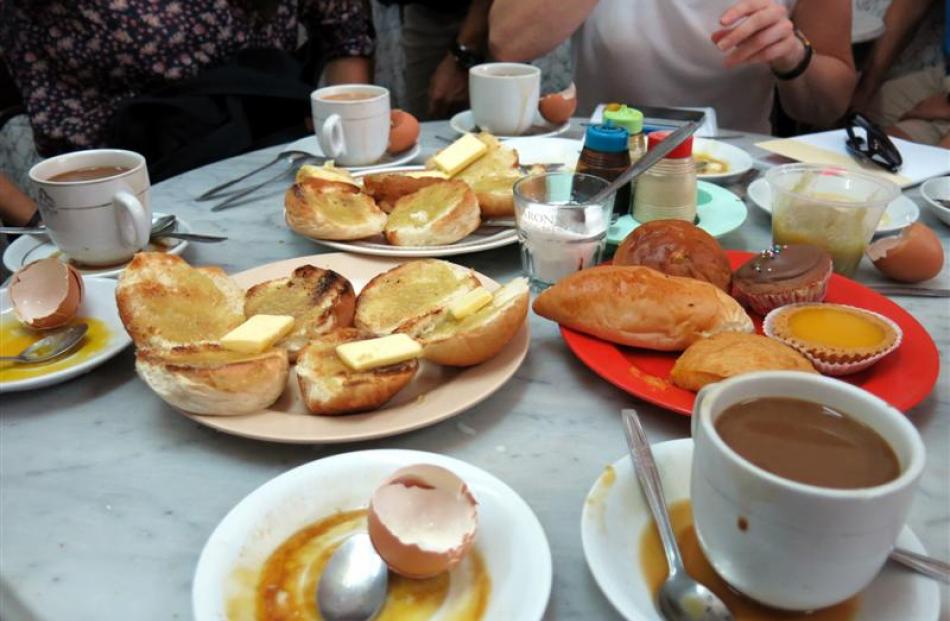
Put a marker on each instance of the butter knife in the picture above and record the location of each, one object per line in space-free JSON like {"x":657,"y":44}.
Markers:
{"x":920,"y":292}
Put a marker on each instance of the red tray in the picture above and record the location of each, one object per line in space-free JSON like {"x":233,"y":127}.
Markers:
{"x":903,"y":379}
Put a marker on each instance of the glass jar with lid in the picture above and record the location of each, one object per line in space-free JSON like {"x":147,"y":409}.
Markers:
{"x":667,"y":191}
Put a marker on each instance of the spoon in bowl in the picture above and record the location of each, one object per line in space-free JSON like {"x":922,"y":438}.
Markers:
{"x":49,"y":347}
{"x":681,"y":598}
{"x":353,"y":584}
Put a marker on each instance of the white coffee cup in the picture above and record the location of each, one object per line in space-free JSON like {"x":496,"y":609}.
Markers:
{"x":101,"y":221}
{"x":352,"y":132}
{"x":504,"y":96}
{"x":802,"y":547}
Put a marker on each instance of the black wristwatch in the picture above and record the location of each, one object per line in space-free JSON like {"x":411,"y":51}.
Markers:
{"x":466,"y":57}
{"x":803,"y":65}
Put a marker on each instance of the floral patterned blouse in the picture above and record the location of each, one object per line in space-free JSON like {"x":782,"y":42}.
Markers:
{"x":75,"y":61}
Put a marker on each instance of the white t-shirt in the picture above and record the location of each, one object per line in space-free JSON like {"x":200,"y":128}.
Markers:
{"x":659,"y":53}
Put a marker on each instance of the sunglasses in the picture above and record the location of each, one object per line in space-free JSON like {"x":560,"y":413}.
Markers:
{"x":877,"y":148}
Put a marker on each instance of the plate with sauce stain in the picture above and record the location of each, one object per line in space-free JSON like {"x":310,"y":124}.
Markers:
{"x":903,"y":378}
{"x":624,"y":553}
{"x":28,"y":248}
{"x":264,"y":560}
{"x":106,"y":338}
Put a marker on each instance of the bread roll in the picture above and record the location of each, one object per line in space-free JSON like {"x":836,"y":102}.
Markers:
{"x":438,"y":214}
{"x":333,"y":210}
{"x":676,"y":248}
{"x":330,"y":387}
{"x":639,"y":306}
{"x":163,"y":301}
{"x":387,"y":188}
{"x":207,"y":379}
{"x":319,"y":300}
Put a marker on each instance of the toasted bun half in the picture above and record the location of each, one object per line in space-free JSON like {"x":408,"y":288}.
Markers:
{"x":207,"y":379}
{"x":482,"y":335}
{"x":639,"y":306}
{"x":324,"y":209}
{"x":411,"y":297}
{"x":438,"y":214}
{"x":387,"y":188}
{"x":319,"y":300}
{"x":495,"y":196}
{"x":330,"y":387}
{"x":164,"y":302}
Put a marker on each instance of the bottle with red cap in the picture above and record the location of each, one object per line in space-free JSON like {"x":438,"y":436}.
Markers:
{"x":668,"y":189}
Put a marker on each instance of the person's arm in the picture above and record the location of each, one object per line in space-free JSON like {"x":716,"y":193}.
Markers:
{"x":760,"y":31}
{"x":349,"y":70}
{"x":900,"y":22}
{"x":16,"y":208}
{"x":448,"y":89}
{"x":344,"y":30}
{"x":521,"y":30}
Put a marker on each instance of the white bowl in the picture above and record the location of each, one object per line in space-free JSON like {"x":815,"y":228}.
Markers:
{"x":938,"y":187}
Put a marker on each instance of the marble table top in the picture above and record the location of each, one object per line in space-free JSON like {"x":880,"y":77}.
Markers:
{"x":107,"y":495}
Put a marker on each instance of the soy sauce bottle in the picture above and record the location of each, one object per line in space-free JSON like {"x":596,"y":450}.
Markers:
{"x":605,"y":155}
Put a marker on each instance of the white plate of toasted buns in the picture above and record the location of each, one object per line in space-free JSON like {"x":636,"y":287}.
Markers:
{"x":461,"y":201}
{"x":298,"y":387}
{"x":506,"y":574}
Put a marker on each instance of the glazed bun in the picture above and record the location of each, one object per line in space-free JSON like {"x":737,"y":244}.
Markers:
{"x":677,"y":248}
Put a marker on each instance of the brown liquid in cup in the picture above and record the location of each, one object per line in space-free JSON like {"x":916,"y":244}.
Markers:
{"x":808,"y":442}
{"x":348,"y":96}
{"x":88,"y":174}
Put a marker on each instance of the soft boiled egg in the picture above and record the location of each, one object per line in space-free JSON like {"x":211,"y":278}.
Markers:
{"x":422,"y":520}
{"x":403,"y":131}
{"x":46,"y":293}
{"x":913,"y":256}
{"x":557,"y":108}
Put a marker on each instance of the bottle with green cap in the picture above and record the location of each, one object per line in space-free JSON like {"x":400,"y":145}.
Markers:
{"x":631,"y":120}
{"x":605,"y":155}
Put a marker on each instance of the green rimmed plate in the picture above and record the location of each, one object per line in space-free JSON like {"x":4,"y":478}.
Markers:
{"x":719,"y":212}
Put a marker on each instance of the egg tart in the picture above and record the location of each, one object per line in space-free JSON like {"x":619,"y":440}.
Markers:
{"x":837,"y":339}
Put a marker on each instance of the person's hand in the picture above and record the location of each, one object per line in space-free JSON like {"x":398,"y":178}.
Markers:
{"x":759,"y":31}
{"x":448,"y":89}
{"x":933,"y":108}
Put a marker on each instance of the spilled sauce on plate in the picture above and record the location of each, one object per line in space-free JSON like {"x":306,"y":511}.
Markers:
{"x":653,"y":565}
{"x":284,"y":588}
{"x":15,"y":337}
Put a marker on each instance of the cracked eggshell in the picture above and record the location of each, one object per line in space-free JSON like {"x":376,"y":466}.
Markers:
{"x":46,"y":293}
{"x":915,"y":255}
{"x":557,"y":108}
{"x":422,"y":520}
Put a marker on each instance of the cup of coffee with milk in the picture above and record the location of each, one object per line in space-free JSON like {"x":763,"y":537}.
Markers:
{"x":504,"y":97}
{"x":351,"y":122}
{"x":95,"y":204}
{"x":800,"y":485}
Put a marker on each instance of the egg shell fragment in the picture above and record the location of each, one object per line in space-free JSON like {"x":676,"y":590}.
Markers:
{"x":913,"y":256}
{"x":557,"y":108}
{"x":422,"y":520}
{"x":46,"y":293}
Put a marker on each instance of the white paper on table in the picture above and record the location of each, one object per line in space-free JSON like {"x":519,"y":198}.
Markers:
{"x":710,"y":126}
{"x":921,"y":162}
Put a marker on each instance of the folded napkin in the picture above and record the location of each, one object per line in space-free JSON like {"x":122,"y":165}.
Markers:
{"x":921,"y":162}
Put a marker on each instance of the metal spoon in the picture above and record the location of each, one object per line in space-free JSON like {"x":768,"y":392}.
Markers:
{"x":49,"y":347}
{"x":158,"y":225}
{"x":353,"y":584}
{"x":681,"y":598}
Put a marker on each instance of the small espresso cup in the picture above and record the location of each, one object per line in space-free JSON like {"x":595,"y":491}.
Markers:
{"x":787,"y":544}
{"x":504,"y":96}
{"x":96,"y":221}
{"x":351,"y":122}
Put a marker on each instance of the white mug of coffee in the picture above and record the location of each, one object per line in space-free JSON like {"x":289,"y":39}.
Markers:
{"x":504,"y":97}
{"x":351,"y":122}
{"x":95,"y":204}
{"x":785,"y":543}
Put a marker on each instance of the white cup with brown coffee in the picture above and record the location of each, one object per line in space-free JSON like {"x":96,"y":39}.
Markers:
{"x":800,"y":485}
{"x":351,"y":122}
{"x":504,"y":97}
{"x":95,"y":204}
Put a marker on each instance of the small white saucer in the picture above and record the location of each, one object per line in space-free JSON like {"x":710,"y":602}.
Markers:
{"x":28,"y":248}
{"x":615,"y":515}
{"x":900,"y":213}
{"x":738,"y":161}
{"x":937,"y":188}
{"x":464,"y":123}
{"x":309,"y":144}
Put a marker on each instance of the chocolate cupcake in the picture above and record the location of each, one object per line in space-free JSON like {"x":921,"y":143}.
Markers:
{"x":782,"y":275}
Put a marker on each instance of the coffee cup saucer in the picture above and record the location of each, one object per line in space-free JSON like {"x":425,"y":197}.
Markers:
{"x":28,"y":248}
{"x":464,"y":123}
{"x":309,"y":144}
{"x":615,"y":515}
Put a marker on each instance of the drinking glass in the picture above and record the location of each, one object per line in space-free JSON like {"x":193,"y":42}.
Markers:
{"x":560,"y":231}
{"x":834,"y":208}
